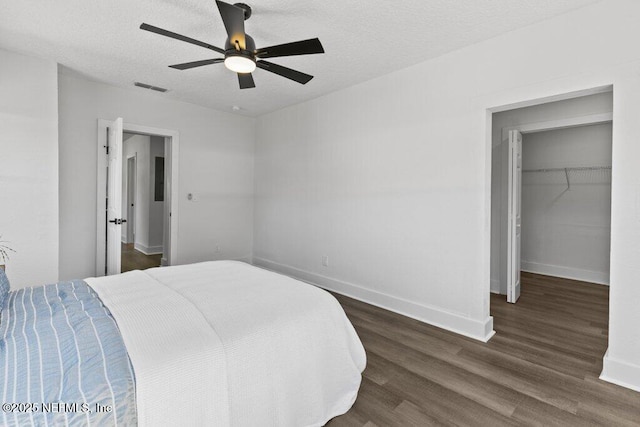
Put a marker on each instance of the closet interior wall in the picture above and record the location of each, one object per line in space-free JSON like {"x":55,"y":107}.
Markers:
{"x":566,"y":203}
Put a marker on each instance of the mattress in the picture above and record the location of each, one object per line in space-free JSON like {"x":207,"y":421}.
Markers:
{"x":226,"y":343}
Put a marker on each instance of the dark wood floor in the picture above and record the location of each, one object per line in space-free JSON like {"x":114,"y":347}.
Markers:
{"x":136,"y":260}
{"x":541,"y":368}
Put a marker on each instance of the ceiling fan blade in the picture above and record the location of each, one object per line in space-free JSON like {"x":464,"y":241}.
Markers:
{"x":246,"y":80}
{"x":233,"y":18}
{"x":303,"y":47}
{"x":194,"y":64}
{"x":294,"y":75}
{"x":180,"y":37}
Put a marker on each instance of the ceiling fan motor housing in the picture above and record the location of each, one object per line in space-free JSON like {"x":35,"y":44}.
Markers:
{"x":248,"y":51}
{"x":250,"y":45}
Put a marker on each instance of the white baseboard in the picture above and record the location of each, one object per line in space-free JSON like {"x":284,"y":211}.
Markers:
{"x":479,"y":330}
{"x":621,"y":373}
{"x":599,"y":277}
{"x":150,"y":250}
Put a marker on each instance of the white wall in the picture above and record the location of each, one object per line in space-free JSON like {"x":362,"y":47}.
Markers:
{"x":553,"y":111}
{"x":216,"y":163}
{"x":391,"y":178}
{"x":566,"y":229}
{"x":29,"y":168}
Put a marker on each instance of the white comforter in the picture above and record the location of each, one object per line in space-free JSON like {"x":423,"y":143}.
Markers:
{"x":224,"y":343}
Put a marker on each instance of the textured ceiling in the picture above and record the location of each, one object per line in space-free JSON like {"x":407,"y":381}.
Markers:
{"x":362,"y":39}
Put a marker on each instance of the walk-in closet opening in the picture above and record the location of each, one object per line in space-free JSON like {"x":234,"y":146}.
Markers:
{"x":557,"y":179}
{"x":551,"y":218}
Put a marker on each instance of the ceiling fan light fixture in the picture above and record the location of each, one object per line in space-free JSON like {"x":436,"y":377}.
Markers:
{"x":240,"y":64}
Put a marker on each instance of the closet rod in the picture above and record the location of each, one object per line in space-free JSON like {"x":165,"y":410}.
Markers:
{"x":567,"y":170}
{"x":580,"y":168}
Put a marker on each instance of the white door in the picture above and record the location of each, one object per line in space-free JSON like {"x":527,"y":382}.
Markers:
{"x":114,"y":197}
{"x":514,"y":234}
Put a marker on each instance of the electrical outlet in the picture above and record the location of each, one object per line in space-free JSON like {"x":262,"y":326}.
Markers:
{"x":217,"y":249}
{"x":325,"y":260}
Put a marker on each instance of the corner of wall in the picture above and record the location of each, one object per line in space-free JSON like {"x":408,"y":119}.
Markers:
{"x":495,"y":286}
{"x":620,"y":373}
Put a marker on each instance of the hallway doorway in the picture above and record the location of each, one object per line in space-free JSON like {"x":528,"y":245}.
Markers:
{"x":153,"y":213}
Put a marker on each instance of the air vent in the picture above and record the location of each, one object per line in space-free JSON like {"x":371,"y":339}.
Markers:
{"x":146,"y":86}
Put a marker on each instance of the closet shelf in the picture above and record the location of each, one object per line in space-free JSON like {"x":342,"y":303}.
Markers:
{"x":567,"y":171}
{"x":579,"y":168}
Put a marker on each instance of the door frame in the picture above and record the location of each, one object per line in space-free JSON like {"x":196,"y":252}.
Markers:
{"x":172,"y":138}
{"x":486,"y":105}
{"x":592,"y":119}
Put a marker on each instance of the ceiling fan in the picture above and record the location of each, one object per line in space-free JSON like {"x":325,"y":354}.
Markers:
{"x":240,"y":53}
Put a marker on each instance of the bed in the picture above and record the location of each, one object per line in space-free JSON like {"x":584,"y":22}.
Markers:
{"x":214,"y":343}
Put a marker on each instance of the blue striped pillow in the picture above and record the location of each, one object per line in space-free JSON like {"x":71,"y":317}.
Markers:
{"x":4,"y":287}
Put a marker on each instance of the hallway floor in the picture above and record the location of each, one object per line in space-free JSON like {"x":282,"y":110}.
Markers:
{"x":133,"y":259}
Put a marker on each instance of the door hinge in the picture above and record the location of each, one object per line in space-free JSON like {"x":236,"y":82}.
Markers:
{"x":106,"y":147}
